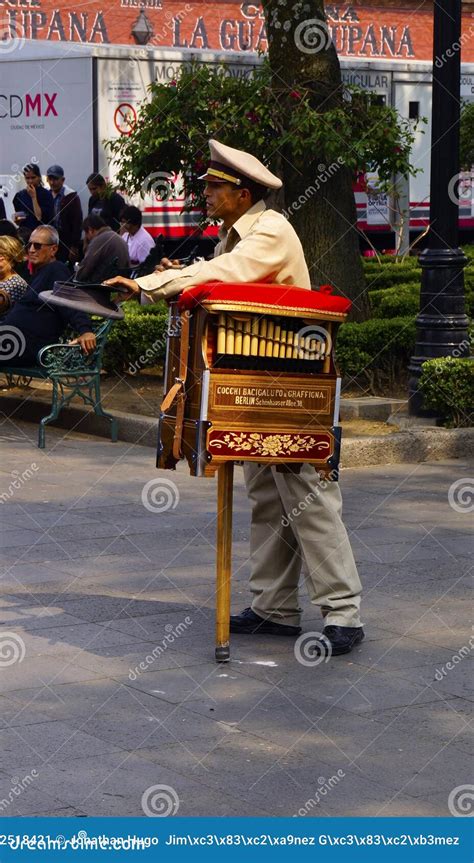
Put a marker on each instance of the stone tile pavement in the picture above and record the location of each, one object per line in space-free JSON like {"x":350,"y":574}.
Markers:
{"x":108,"y":686}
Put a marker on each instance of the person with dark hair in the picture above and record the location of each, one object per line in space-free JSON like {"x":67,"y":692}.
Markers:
{"x":104,"y":201}
{"x":105,"y":253}
{"x":33,"y":205}
{"x":3,"y":214}
{"x":67,"y":215}
{"x":138,"y":240}
{"x":8,"y":229}
{"x":37,"y":323}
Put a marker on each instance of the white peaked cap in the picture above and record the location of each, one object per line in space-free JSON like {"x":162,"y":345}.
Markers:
{"x":228,"y":165}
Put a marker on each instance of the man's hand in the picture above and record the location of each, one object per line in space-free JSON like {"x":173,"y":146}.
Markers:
{"x":133,"y":288}
{"x":87,"y":342}
{"x":166,"y":264}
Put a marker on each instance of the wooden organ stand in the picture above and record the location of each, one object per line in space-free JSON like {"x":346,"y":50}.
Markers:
{"x":250,"y":376}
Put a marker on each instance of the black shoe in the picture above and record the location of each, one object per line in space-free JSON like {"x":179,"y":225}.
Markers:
{"x":343,"y":638}
{"x":249,"y":623}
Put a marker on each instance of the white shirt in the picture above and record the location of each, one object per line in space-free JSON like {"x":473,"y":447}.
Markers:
{"x":260,"y":246}
{"x":139,"y":244}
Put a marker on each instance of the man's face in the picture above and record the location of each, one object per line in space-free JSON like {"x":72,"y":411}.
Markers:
{"x":223,"y":201}
{"x":31,"y":179}
{"x":40,"y":249}
{"x":55,"y":183}
{"x":128,"y":227}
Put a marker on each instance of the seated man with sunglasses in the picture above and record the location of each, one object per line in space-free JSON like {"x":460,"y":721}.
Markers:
{"x":36,"y":323}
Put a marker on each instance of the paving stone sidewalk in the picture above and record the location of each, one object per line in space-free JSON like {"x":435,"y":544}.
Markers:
{"x":108,"y":682}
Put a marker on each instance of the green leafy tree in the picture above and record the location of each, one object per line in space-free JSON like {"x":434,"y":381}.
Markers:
{"x":294,"y":114}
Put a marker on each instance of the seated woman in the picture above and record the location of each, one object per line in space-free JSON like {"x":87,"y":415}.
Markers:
{"x":12,"y":286}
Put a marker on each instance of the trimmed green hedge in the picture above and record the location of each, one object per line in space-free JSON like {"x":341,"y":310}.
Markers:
{"x":394,"y":289}
{"x":139,"y":340}
{"x":376,"y":352}
{"x":448,"y":388}
{"x":395,"y":302}
{"x":380,"y":276}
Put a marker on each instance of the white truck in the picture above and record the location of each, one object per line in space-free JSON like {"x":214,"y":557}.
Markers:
{"x":59,"y":102}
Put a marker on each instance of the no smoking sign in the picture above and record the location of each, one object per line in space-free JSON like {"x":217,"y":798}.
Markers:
{"x":125,"y":118}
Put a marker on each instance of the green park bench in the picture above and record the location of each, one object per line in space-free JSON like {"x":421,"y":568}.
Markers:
{"x":72,"y":373}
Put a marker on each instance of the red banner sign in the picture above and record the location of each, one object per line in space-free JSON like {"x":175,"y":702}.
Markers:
{"x":364,"y":30}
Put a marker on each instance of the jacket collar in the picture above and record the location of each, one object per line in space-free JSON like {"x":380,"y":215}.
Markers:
{"x":63,"y":192}
{"x":243,"y":225}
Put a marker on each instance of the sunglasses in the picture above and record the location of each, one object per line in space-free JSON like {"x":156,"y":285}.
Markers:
{"x":37,"y":246}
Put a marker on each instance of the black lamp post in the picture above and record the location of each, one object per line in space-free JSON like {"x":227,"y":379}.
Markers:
{"x":442,"y":323}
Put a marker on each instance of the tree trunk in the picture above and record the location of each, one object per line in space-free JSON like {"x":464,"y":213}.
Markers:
{"x":318,"y":197}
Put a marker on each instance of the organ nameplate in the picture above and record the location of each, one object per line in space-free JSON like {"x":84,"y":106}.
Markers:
{"x":312,"y":398}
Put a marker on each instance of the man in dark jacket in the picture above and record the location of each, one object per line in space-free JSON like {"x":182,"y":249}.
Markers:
{"x":32,"y":323}
{"x":104,"y":202}
{"x":67,"y":215}
{"x":105,"y":252}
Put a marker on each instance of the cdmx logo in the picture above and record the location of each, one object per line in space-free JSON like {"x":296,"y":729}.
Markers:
{"x":30,"y":104}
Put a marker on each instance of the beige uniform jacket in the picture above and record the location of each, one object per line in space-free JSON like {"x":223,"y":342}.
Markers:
{"x":260,"y":246}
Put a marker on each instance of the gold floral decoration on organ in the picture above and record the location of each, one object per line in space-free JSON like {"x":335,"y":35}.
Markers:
{"x":268,"y":445}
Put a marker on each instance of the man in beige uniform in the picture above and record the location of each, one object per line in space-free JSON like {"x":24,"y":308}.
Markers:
{"x":257,"y":244}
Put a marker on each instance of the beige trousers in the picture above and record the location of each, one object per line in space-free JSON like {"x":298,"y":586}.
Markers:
{"x":297,"y":524}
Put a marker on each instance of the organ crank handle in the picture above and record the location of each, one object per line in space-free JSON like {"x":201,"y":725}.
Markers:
{"x":225,"y":476}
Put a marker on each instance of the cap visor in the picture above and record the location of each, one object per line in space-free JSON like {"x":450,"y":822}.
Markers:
{"x":211,"y":179}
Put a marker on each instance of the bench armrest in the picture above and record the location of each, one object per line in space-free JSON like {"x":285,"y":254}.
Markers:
{"x":64,"y":359}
